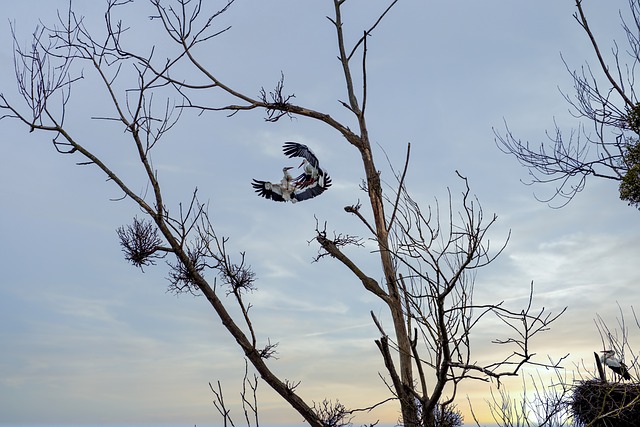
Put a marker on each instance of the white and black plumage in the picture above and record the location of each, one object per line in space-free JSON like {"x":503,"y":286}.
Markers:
{"x":313,"y":174}
{"x":616,"y":365}
{"x":311,"y":183}
{"x":277,"y":192}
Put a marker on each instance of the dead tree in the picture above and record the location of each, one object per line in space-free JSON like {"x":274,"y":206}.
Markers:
{"x":435,"y":257}
{"x":428,"y":260}
{"x":538,"y":404}
{"x":607,"y":146}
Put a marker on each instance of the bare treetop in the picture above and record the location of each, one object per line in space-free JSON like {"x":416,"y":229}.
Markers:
{"x":607,"y":146}
{"x":428,"y":255}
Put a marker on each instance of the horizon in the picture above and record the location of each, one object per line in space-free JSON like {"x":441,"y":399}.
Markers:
{"x":87,"y":336}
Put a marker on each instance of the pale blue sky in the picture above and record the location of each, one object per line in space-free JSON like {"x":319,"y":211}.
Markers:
{"x":87,"y":338}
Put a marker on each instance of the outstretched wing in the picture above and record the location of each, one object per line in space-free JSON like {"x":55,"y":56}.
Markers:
{"x":294,"y":149}
{"x":313,"y":190}
{"x":268,"y":190}
{"x":313,"y":182}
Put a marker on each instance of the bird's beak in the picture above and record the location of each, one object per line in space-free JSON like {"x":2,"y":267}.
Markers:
{"x":289,"y":167}
{"x":301,"y":164}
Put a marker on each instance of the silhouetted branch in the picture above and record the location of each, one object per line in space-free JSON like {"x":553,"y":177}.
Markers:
{"x":333,"y":414}
{"x":140,"y":243}
{"x":277,"y":104}
{"x":567,"y":161}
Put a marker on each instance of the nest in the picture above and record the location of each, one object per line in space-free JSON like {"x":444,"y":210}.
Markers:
{"x":603,"y":404}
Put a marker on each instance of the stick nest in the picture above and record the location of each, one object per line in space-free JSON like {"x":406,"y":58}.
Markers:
{"x":603,"y":404}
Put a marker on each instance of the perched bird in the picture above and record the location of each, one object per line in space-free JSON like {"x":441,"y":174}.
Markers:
{"x":616,"y":365}
{"x":311,"y":183}
{"x":312,"y":172}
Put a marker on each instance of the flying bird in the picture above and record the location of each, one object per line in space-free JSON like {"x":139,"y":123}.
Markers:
{"x":312,"y":182}
{"x":281,"y":192}
{"x":616,"y":365}
{"x":312,"y":172}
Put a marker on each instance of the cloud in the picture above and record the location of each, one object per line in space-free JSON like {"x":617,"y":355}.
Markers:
{"x":88,"y":338}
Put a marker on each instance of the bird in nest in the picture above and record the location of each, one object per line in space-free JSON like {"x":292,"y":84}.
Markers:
{"x":616,"y":365}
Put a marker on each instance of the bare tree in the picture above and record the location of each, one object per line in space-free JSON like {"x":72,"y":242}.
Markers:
{"x":540,"y":403}
{"x":435,"y":263}
{"x":248,"y":396}
{"x":428,"y":257}
{"x":608,"y":147}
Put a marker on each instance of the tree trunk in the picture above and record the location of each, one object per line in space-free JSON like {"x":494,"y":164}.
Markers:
{"x":409,"y":412}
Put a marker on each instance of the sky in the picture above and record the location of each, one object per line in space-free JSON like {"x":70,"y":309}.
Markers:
{"x":89,"y":339}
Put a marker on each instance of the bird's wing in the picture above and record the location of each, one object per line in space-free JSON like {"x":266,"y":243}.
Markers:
{"x":624,"y":371}
{"x":294,"y":149}
{"x":613,"y":362}
{"x":268,"y":190}
{"x":313,"y":190}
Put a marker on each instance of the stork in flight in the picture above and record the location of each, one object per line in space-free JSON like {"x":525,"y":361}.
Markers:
{"x":312,"y":182}
{"x":616,"y":365}
{"x":313,"y":173}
